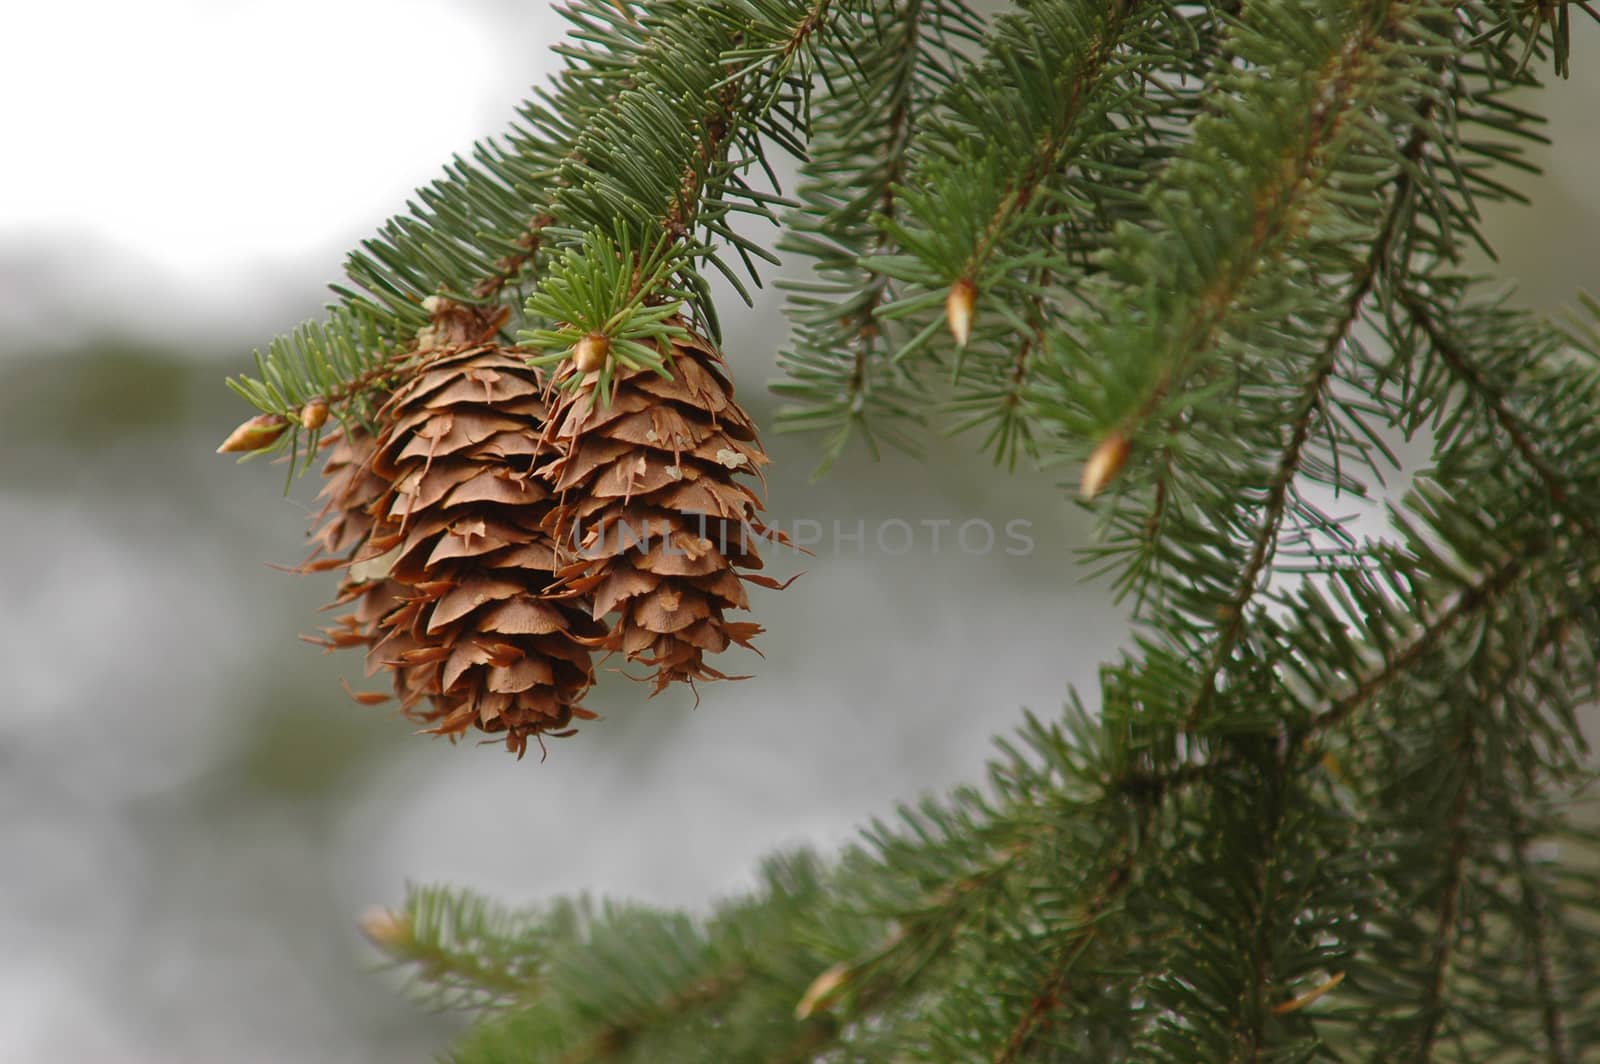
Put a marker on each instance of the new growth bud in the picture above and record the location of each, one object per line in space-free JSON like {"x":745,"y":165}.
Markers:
{"x":385,"y":927}
{"x":958,"y":306}
{"x":819,"y":995}
{"x":260,"y":431}
{"x":1104,"y":464}
{"x":590,"y":353}
{"x":314,"y":414}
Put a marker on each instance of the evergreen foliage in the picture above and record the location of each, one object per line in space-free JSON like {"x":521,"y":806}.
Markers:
{"x":1331,"y":806}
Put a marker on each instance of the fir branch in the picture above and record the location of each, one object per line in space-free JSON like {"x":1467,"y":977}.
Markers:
{"x":1446,"y":929}
{"x":980,"y":186}
{"x":710,"y":149}
{"x":1185,"y":362}
{"x":1552,"y":1020}
{"x":1454,"y":355}
{"x":477,"y":233}
{"x":1264,"y":543}
{"x":1070,"y":947}
{"x":616,"y":1036}
{"x":659,"y":162}
{"x":514,"y":267}
{"x":1203,"y":289}
{"x":837,"y":380}
{"x":1254,"y":1006}
{"x":1011,"y":434}
{"x":465,"y":951}
{"x":1476,"y":598}
{"x":1144,"y":882}
{"x":1044,"y":160}
{"x":935,"y":925}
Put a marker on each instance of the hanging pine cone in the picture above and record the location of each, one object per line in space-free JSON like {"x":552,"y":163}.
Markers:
{"x":655,"y":524}
{"x":452,"y":570}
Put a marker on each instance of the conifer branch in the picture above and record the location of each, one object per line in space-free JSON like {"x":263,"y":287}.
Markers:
{"x":1551,"y":1013}
{"x":979,"y":186}
{"x":732,"y":75}
{"x":1255,"y":1006}
{"x":1264,"y":543}
{"x":1454,"y":355}
{"x":1156,"y":353}
{"x":930,"y":927}
{"x":1233,"y":611}
{"x":836,"y":376}
{"x":1045,"y":159}
{"x":1174,"y":221}
{"x":445,"y":246}
{"x":615,"y":1037}
{"x":1279,"y":206}
{"x":513,"y":267}
{"x":1011,"y":432}
{"x":1446,"y":929}
{"x":1469,"y":602}
{"x":891,"y":166}
{"x":465,"y":951}
{"x":1118,"y":877}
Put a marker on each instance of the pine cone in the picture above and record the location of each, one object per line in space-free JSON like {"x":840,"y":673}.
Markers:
{"x":655,"y":524}
{"x":439,"y":521}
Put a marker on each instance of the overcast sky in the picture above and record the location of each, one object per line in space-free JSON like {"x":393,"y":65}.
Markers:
{"x":226,"y":152}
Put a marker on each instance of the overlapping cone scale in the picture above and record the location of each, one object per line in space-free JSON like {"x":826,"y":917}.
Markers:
{"x":656,"y":520}
{"x":452,"y":577}
{"x":343,"y":525}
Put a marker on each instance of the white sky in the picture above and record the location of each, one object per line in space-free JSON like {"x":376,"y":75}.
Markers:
{"x":216,"y":147}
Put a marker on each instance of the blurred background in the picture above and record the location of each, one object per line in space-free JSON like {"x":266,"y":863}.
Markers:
{"x":192,"y":815}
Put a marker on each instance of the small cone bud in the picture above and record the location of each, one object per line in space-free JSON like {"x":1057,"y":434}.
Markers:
{"x":590,"y":353}
{"x":819,"y":994}
{"x":314,"y":414}
{"x":385,"y":927}
{"x":958,"y":310}
{"x":1104,"y":464}
{"x":260,"y":431}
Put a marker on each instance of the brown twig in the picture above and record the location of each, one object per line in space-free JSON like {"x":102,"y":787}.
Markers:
{"x":1469,"y":602}
{"x":1037,"y":1016}
{"x":1551,"y":1017}
{"x":614,"y":1037}
{"x":1043,"y":161}
{"x":1445,"y":930}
